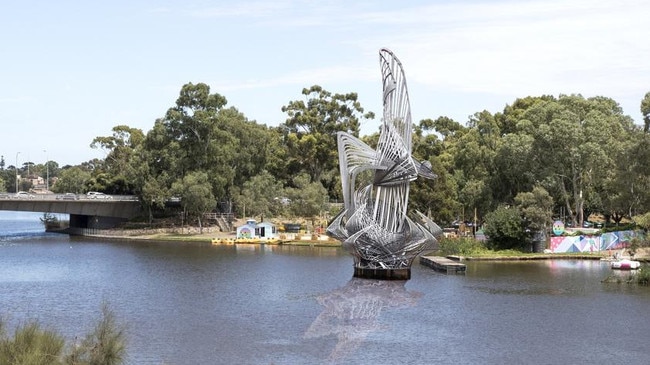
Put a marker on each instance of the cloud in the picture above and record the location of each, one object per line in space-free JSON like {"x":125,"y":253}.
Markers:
{"x":335,"y":74}
{"x":523,"y":47}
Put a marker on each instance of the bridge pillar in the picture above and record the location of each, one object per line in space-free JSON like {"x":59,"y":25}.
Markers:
{"x":94,"y":221}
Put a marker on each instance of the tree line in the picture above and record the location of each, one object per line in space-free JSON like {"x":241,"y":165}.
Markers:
{"x":568,"y":156}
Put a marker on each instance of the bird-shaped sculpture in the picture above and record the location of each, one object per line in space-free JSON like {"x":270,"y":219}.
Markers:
{"x":373,"y":224}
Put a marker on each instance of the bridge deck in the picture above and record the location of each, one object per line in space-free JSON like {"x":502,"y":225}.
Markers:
{"x":119,"y":206}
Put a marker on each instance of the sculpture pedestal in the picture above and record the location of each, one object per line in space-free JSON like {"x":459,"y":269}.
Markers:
{"x":382,"y":274}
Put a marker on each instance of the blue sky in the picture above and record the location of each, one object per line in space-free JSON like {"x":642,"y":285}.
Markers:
{"x":72,"y":70}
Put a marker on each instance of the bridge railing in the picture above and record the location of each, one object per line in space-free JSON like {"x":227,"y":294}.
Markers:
{"x":67,"y":196}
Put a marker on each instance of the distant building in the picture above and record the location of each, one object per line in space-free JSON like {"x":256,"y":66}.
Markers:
{"x":254,"y":230}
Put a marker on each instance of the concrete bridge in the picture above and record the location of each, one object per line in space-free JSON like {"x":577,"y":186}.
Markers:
{"x":86,"y":211}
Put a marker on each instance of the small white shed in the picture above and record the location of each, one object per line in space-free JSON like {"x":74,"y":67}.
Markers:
{"x":252,"y":230}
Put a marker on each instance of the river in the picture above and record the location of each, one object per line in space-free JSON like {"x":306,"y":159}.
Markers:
{"x":203,"y":304}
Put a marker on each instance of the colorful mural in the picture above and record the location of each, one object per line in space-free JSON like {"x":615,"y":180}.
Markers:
{"x":592,"y":243}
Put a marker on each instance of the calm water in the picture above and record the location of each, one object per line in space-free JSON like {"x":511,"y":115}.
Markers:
{"x":202,"y":304}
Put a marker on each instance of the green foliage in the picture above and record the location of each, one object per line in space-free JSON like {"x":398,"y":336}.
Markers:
{"x":561,"y":145}
{"x":462,"y":246}
{"x":308,"y":199}
{"x":72,"y":180}
{"x":505,"y":229}
{"x":311,"y":127}
{"x":33,"y":345}
{"x":48,"y":218}
{"x":643,"y":221}
{"x":536,"y":208}
{"x":261,"y":196}
{"x":639,"y":277}
{"x":196,"y":195}
{"x":645,"y":111}
{"x":105,"y":345}
{"x":642,"y":276}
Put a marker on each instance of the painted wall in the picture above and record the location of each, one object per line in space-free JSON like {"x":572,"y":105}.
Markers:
{"x":592,"y":243}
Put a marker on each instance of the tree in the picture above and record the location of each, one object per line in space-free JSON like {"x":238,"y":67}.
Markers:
{"x":72,"y":180}
{"x":200,"y":134}
{"x":121,"y":159}
{"x":308,"y":199}
{"x":572,"y":146}
{"x":504,"y":229}
{"x":536,"y":208}
{"x":153,"y":195}
{"x":645,"y":111}
{"x":260,"y":196}
{"x":105,"y":345}
{"x":311,"y":127}
{"x":438,"y":197}
{"x":196,"y":195}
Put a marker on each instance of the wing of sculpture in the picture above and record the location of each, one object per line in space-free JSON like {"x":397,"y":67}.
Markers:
{"x":374,"y":225}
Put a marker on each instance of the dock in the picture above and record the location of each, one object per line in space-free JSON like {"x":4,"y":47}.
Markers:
{"x":443,"y":264}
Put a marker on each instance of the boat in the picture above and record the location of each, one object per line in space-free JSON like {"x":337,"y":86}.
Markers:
{"x":625,"y":264}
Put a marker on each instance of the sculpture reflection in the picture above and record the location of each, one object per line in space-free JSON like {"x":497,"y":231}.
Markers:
{"x":352,"y":312}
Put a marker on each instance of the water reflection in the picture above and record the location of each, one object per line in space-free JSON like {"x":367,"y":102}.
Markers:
{"x":352,"y":312}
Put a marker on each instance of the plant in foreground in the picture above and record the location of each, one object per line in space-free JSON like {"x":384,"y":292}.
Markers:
{"x":33,"y":345}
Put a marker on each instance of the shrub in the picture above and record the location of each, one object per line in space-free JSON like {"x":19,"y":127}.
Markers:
{"x":33,"y":345}
{"x":642,"y":276}
{"x":505,"y":230}
{"x":463,"y":246}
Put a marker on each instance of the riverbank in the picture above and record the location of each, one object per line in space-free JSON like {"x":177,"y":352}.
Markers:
{"x":194,"y":235}
{"x":210,"y":234}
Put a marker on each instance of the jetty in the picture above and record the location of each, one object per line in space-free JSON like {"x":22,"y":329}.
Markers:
{"x":443,"y":264}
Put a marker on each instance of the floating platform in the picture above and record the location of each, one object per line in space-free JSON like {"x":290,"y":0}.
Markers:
{"x":443,"y":264}
{"x":382,"y":274}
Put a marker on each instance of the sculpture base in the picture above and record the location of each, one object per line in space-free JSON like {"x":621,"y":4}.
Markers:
{"x":382,"y":274}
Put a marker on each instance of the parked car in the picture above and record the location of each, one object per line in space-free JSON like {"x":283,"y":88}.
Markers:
{"x":5,"y":196}
{"x":68,"y":196}
{"x":23,"y":195}
{"x":97,"y":195}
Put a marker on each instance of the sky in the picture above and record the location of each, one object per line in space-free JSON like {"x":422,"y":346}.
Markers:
{"x":72,"y":70}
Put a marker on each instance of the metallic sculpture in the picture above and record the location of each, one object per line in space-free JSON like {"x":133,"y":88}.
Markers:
{"x":373,"y":224}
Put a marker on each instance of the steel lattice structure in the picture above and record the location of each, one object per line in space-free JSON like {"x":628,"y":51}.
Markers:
{"x":373,"y":224}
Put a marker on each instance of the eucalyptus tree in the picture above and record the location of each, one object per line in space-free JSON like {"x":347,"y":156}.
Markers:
{"x":645,"y":111}
{"x":536,"y":208}
{"x":627,"y":191}
{"x":118,"y":173}
{"x":473,"y":153}
{"x":196,"y":195}
{"x":438,"y":197}
{"x":572,"y":147}
{"x":190,"y":124}
{"x":311,"y":127}
{"x":262,"y":195}
{"x":72,"y":180}
{"x":307,"y":198}
{"x":514,"y":170}
{"x":200,"y":134}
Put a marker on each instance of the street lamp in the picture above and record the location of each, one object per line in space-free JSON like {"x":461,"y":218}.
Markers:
{"x":47,"y":169}
{"x":16,"y":170}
